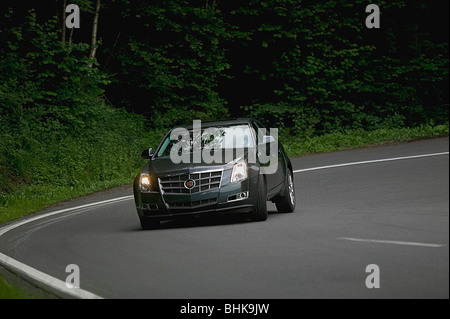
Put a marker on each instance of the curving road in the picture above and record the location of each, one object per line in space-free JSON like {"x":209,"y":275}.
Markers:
{"x":394,"y":214}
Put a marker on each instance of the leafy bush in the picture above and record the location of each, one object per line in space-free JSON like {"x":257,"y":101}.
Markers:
{"x":55,"y":128}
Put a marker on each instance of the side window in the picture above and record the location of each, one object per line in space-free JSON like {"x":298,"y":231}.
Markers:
{"x":260,"y":130}
{"x":163,"y":150}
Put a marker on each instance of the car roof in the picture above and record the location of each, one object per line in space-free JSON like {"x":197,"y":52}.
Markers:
{"x":238,"y":121}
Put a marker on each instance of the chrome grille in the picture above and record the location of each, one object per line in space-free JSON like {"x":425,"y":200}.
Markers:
{"x":203,"y":182}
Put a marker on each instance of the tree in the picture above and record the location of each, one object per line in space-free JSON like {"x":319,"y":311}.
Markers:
{"x":94,"y":34}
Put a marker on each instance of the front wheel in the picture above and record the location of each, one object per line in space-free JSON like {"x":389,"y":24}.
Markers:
{"x":286,"y":203}
{"x":260,"y":213}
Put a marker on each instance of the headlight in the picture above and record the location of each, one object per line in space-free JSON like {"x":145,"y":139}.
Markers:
{"x":144,"y":183}
{"x":239,"y":172}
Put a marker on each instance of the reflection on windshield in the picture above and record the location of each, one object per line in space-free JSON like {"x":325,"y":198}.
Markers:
{"x":213,"y":138}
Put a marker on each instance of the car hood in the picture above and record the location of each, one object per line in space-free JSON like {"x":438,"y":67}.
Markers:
{"x":165,"y":166}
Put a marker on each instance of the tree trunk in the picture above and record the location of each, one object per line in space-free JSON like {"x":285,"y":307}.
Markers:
{"x":63,"y":36}
{"x":70,"y":36}
{"x":113,"y":48}
{"x":94,"y":35}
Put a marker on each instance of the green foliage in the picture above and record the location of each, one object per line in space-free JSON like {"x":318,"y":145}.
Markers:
{"x":317,"y":62}
{"x":339,"y":141}
{"x":173,"y":61}
{"x":299,"y":121}
{"x":55,"y":128}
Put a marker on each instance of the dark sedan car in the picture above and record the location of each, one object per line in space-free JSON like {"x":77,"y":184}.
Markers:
{"x":226,"y":167}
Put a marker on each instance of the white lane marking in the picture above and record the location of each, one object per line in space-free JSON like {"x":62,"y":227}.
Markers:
{"x":38,"y":276}
{"x":371,"y":161}
{"x":7,"y":228}
{"x":393,"y":242}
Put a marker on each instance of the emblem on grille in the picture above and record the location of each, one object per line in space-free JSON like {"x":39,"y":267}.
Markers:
{"x":189,"y":184}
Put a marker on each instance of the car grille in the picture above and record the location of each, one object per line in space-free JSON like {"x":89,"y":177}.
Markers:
{"x":203,"y":182}
{"x":193,"y":204}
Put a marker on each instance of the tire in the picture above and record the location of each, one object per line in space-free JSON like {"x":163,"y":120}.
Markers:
{"x":286,"y":203}
{"x":147,"y":223}
{"x":260,"y":213}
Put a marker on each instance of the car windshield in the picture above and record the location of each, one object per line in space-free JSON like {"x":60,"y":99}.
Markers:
{"x":217,"y":138}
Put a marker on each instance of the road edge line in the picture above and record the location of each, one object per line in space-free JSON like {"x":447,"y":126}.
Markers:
{"x":370,"y":162}
{"x":44,"y":280}
{"x":393,"y":242}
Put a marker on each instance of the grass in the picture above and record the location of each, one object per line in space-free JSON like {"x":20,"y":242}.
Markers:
{"x":8,"y":291}
{"x":31,"y":198}
{"x":63,"y":175}
{"x":357,"y":139}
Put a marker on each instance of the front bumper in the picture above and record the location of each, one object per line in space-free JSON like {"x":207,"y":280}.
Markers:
{"x":230,"y":198}
{"x":159,"y":215}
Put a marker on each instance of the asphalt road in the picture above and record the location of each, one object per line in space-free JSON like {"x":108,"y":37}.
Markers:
{"x":394,"y":214}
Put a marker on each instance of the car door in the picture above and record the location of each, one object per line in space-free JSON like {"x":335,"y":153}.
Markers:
{"x":274,"y":178}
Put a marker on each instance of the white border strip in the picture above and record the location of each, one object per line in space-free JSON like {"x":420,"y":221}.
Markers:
{"x":40,"y":277}
{"x":37,"y":276}
{"x":393,"y":242}
{"x":369,"y":162}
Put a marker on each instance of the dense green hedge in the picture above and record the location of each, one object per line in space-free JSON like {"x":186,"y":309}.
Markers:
{"x":311,"y":66}
{"x":55,"y":127}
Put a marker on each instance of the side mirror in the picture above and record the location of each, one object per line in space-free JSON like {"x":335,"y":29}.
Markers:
{"x":147,"y":154}
{"x":267,"y":139}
